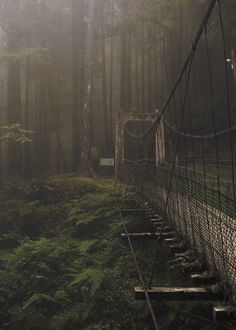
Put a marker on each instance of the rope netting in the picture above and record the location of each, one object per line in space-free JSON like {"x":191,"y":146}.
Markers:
{"x":192,"y":183}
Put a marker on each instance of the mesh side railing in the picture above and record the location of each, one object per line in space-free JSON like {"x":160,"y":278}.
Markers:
{"x":194,"y":211}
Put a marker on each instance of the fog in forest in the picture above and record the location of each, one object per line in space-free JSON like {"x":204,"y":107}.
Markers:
{"x":106,"y":106}
{"x":68,"y":67}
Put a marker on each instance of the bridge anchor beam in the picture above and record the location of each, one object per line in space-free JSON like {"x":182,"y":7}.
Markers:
{"x":179,"y":294}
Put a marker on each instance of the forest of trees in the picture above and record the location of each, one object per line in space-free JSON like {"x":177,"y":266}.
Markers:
{"x":67,"y":69}
{"x":68,"y":66}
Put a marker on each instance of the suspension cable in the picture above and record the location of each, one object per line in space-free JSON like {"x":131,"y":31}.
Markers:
{"x":174,"y":161}
{"x":205,"y":136}
{"x":141,"y":279}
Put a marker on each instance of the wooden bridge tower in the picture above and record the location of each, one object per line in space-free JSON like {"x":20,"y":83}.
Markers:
{"x":121,"y":122}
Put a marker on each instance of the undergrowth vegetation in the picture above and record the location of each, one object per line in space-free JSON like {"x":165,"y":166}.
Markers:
{"x":64,"y":266}
{"x":62,"y":263}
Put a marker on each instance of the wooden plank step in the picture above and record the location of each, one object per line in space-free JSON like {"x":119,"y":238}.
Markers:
{"x":158,"y":224}
{"x":178,"y":294}
{"x":203,"y":278}
{"x":157,"y":220}
{"x":171,"y":240}
{"x":141,"y":235}
{"x":178,"y":248}
{"x":169,"y":234}
{"x":224,"y":313}
{"x":144,"y":204}
{"x":132,"y":211}
{"x":195,"y":266}
{"x":163,"y":229}
{"x":188,"y":254}
{"x":144,"y":207}
{"x":131,"y":200}
{"x":149,"y":214}
{"x":147,"y":208}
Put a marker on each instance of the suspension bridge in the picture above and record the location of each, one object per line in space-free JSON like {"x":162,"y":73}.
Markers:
{"x":183,"y":174}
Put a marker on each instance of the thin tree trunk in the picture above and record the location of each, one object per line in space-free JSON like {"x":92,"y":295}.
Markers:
{"x":76,"y":118}
{"x":111,"y":77}
{"x":85,"y":75}
{"x":149,"y":73}
{"x":27,"y":166}
{"x":14,"y":103}
{"x":143,"y":72}
{"x":137,"y":76}
{"x":123,"y":62}
{"x":156,"y":90}
{"x":92,"y":126}
{"x":129,"y":70}
{"x":104,"y":84}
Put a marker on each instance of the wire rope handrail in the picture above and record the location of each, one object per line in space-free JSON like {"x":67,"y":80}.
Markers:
{"x":195,"y":136}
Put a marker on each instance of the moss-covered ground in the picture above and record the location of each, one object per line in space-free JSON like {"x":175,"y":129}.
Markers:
{"x":63,"y":264}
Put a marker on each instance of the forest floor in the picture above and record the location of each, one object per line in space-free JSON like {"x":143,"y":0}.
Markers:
{"x":63,"y":264}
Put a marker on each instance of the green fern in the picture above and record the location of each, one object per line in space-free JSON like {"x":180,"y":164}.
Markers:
{"x":38,"y":298}
{"x":94,"y":276}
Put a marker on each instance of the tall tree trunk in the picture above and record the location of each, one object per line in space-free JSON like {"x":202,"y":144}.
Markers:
{"x":150,"y":109}
{"x":123,"y":61}
{"x":14,"y":102}
{"x":86,"y":40}
{"x":111,"y":76}
{"x":77,"y":6}
{"x":104,"y":84}
{"x":93,"y":56}
{"x":137,"y":74}
{"x":143,"y":71}
{"x":129,"y":71}
{"x":156,"y":89}
{"x":26,"y":161}
{"x":44,"y":130}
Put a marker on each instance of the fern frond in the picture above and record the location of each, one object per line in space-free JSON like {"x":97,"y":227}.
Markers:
{"x":38,"y":298}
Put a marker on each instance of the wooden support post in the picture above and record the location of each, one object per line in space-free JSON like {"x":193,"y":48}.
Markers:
{"x":141,"y":235}
{"x":223,"y":313}
{"x":177,"y":248}
{"x":203,"y":278}
{"x":179,"y":294}
{"x":195,"y":266}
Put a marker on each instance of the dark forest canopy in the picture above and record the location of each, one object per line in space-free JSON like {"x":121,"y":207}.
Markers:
{"x":68,"y":66}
